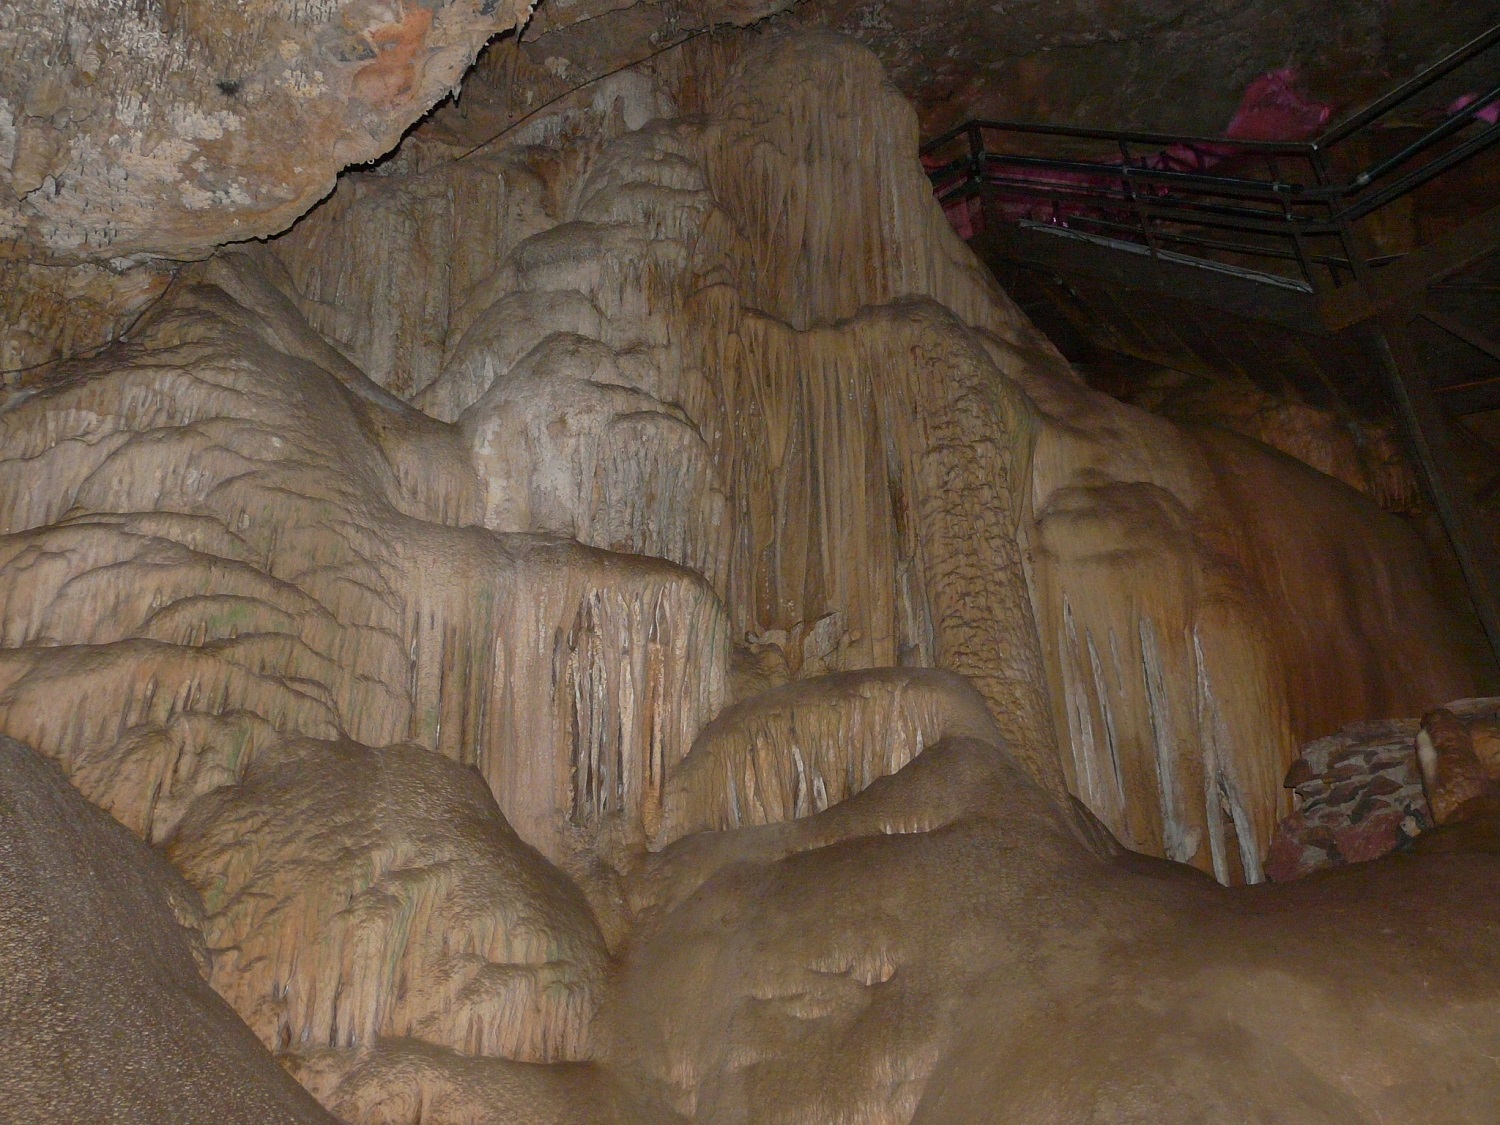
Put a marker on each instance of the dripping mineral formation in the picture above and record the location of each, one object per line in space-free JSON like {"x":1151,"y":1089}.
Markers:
{"x":629,"y":623}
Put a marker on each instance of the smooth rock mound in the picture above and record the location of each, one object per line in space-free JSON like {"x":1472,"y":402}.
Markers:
{"x":103,"y":1007}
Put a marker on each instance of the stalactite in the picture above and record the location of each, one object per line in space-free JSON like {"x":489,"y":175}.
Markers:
{"x":573,"y":680}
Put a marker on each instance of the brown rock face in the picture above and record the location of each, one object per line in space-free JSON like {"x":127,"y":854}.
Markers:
{"x":104,"y":1009}
{"x":633,"y":625}
{"x":168,"y":128}
{"x":1459,"y":751}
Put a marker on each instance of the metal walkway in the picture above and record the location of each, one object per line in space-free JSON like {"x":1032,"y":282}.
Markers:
{"x":1276,"y":261}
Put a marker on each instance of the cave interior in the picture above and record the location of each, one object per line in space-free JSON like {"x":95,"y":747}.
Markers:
{"x":792,"y":562}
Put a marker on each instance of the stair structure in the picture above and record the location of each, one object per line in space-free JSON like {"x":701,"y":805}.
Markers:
{"x":1358,"y":271}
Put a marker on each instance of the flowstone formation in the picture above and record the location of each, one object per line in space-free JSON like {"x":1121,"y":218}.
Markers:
{"x":631,"y":624}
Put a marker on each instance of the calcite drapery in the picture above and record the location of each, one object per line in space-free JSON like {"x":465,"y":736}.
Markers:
{"x":870,"y":448}
{"x":268,"y":582}
{"x":1201,"y":622}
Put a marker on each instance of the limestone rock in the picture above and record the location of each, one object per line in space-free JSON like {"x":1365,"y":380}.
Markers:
{"x":825,"y":969}
{"x":643,"y":356}
{"x":721,"y":367}
{"x":1365,"y":454}
{"x":105,"y":1014}
{"x":566,"y":444}
{"x":1162,"y":65}
{"x":354,"y":263}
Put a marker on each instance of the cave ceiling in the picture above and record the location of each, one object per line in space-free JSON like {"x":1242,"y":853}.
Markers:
{"x":167,"y":127}
{"x":1170,"y":65}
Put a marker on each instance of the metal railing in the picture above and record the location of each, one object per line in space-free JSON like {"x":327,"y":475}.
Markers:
{"x":1292,"y":208}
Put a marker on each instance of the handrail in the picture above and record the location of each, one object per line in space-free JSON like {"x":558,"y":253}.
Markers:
{"x":1331,"y":136}
{"x":1163,"y":175}
{"x":1414,"y":85}
{"x":1128,"y":136}
{"x":1162,"y":200}
{"x":1460,"y":120}
{"x":1419,"y":176}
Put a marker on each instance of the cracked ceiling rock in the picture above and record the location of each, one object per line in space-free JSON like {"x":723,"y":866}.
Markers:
{"x":172,"y":126}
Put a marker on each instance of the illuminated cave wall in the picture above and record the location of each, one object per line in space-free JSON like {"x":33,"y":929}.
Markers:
{"x":540,"y":603}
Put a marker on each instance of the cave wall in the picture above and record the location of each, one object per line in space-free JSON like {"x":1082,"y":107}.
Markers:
{"x":656,"y":336}
{"x":546,"y":603}
{"x":1203,"y":619}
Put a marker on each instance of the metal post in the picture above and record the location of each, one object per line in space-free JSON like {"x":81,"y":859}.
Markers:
{"x":1426,"y":430}
{"x":1141,"y":216}
{"x":986,"y":190}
